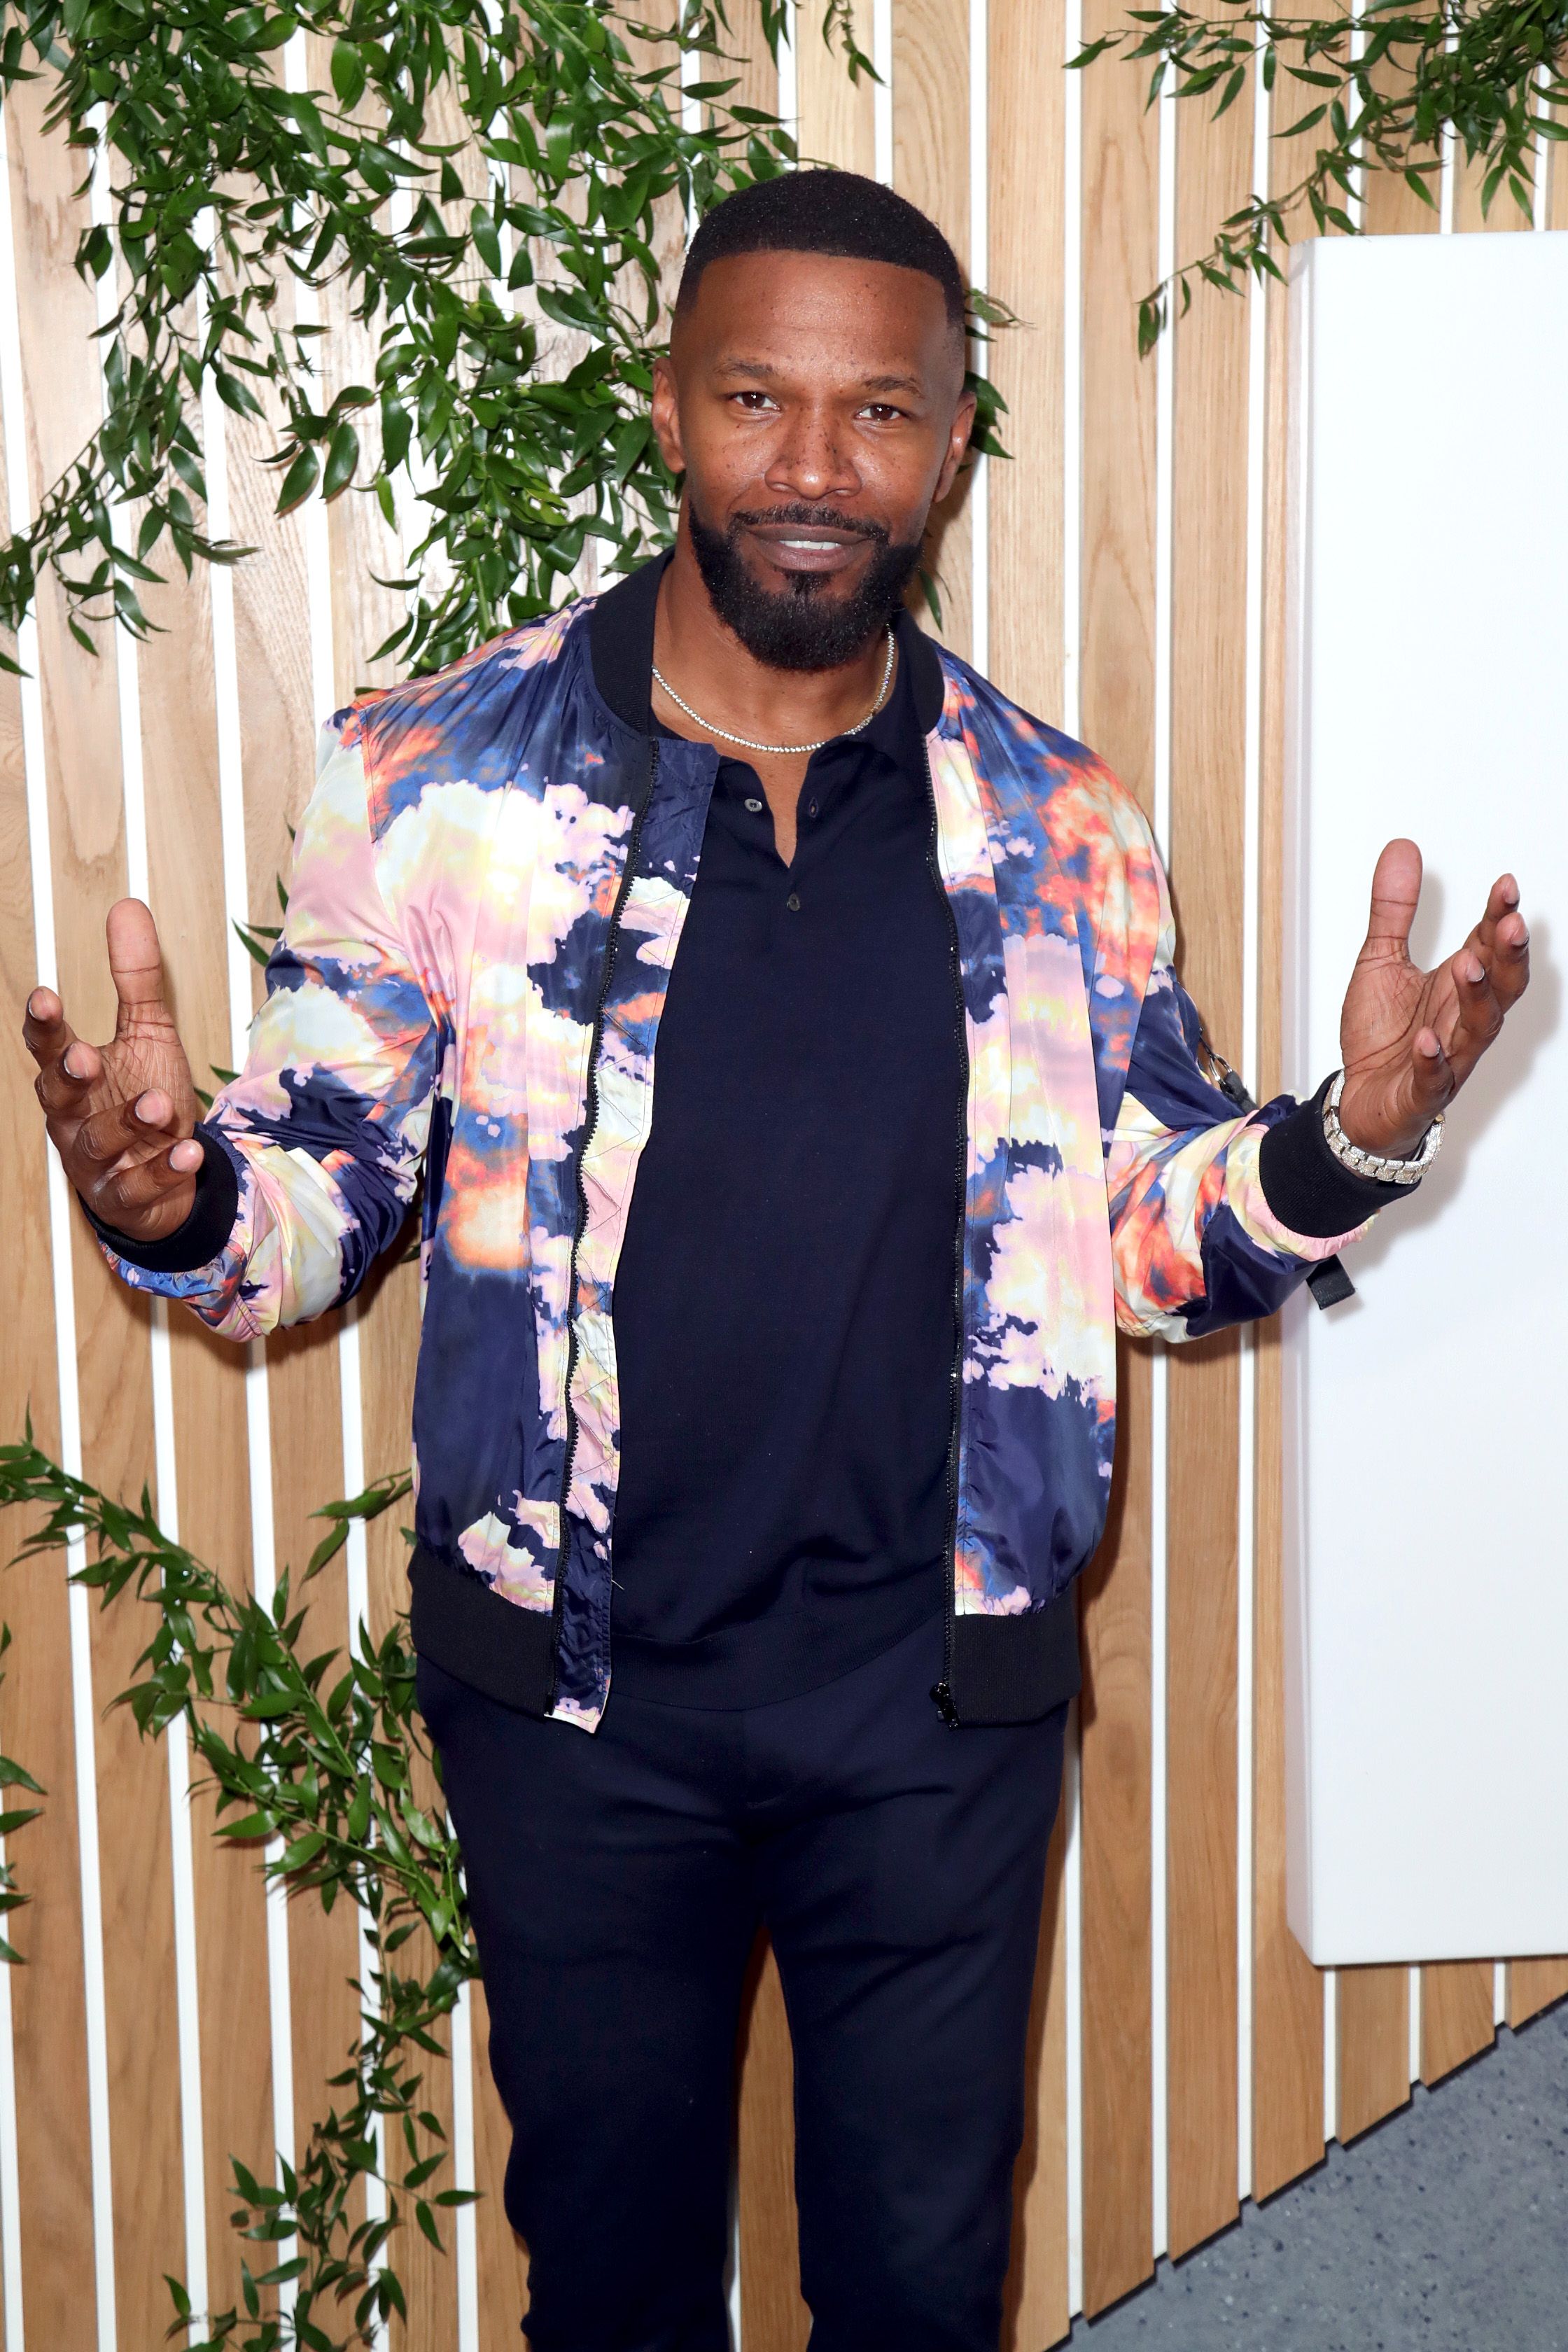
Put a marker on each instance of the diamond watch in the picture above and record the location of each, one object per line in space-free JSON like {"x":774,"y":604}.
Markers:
{"x":1381,"y":1169}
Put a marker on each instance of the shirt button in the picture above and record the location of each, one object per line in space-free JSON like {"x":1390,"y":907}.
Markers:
{"x":811,"y":810}
{"x":755,"y":807}
{"x":793,"y":902}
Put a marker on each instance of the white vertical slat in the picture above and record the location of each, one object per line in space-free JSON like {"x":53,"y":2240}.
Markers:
{"x":1413,"y":2021}
{"x":1071,"y":719}
{"x":1159,"y":1923}
{"x":1251,"y":957}
{"x":1072,"y":1921}
{"x":789,"y":71}
{"x":19,"y":503}
{"x":882,"y":91}
{"x":1540,"y":191}
{"x":176,"y":1740}
{"x":465,"y":2227}
{"x":979,"y":272}
{"x":257,"y":1414}
{"x":1331,"y":2055}
{"x":17,"y":496}
{"x":1500,"y":1992}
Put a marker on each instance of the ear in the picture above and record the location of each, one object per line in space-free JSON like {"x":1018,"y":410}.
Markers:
{"x":957,"y":442}
{"x":665,"y":410}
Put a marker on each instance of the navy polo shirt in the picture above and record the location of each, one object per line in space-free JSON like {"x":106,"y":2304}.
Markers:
{"x":785,"y":1308}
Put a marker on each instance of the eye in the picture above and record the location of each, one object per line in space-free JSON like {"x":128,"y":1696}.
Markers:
{"x":755,"y":403}
{"x":881,"y":412}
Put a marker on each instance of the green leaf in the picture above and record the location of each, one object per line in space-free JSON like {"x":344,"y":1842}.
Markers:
{"x":298,"y":481}
{"x":343,"y":457}
{"x":348,"y":73}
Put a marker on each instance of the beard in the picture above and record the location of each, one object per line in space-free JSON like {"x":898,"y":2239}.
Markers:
{"x":801,"y":626}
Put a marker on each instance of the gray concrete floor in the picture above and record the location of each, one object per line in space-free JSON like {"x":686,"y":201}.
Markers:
{"x":1443,"y":2230}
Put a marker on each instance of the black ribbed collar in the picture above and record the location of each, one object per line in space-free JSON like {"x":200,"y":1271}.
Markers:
{"x":620,"y":648}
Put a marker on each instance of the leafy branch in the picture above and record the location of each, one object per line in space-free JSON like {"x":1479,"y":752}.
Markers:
{"x":323,"y":1755}
{"x":506,"y":275}
{"x":1383,"y":86}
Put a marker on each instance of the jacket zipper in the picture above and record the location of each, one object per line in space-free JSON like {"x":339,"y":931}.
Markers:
{"x":591,"y":1100}
{"x":943,"y":1692}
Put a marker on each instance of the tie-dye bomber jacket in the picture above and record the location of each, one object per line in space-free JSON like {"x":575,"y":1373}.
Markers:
{"x":488,"y":891}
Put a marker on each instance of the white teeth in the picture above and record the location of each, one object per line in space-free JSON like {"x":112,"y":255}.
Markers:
{"x":816,"y":545}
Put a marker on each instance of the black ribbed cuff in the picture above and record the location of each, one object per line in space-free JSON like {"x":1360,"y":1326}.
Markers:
{"x":478,"y":1638}
{"x":205,"y":1231}
{"x":1015,"y":1669}
{"x":1305,"y":1187}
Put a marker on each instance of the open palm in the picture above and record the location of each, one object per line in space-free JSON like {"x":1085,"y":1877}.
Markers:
{"x":120,"y":1115}
{"x":1410,"y":1038}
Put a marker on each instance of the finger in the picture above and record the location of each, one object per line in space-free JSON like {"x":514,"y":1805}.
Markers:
{"x":1477,"y":1015}
{"x":126,"y":1193}
{"x":135,"y":963}
{"x":139,"y":1128}
{"x":63,"y":1085}
{"x":1501,"y":901}
{"x":46,"y":1031}
{"x":1433,"y":1078}
{"x":1510,"y":960}
{"x":1396,"y":894}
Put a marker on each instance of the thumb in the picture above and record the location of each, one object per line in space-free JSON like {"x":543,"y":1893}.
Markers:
{"x":135,"y":964}
{"x":1396,"y":894}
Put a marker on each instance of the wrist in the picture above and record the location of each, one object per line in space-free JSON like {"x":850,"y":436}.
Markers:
{"x":1402,"y":1160}
{"x":1369,"y":1130}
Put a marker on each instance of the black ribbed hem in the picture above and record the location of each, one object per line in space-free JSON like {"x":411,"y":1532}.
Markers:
{"x":1305,"y":1187}
{"x":472,"y":1633}
{"x":205,"y":1231}
{"x":1015,"y":1669}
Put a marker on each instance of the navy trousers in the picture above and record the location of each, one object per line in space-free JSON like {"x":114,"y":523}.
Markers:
{"x":618,"y":1883}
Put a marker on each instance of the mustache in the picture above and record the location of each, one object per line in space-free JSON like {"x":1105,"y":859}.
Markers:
{"x":810,"y":518}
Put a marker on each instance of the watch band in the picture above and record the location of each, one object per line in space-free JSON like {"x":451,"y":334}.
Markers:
{"x":1382,"y":1169}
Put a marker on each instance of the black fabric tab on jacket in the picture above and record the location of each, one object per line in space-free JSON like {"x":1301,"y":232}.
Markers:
{"x":620,"y":648}
{"x":472,"y":1633}
{"x":1305,"y":1187}
{"x":1015,"y":1669}
{"x":205,"y":1231}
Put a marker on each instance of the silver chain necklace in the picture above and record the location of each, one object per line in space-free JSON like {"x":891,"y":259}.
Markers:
{"x":782,"y":748}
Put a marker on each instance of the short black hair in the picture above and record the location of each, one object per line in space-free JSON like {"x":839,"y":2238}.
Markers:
{"x":837,"y":212}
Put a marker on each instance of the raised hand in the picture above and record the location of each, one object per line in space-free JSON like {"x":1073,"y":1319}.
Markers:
{"x":121,"y":1114}
{"x":1410,"y":1038}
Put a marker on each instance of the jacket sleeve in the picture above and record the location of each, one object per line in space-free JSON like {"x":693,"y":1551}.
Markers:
{"x":313,"y":1151}
{"x":1216,"y":1215}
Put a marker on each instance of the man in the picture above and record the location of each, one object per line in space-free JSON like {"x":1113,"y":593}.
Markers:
{"x":785,"y":1027}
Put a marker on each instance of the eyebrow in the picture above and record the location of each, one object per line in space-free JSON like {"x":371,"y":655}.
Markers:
{"x":762,"y":373}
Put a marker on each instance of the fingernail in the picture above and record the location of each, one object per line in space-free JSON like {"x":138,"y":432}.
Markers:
{"x":68,"y":1065}
{"x":1477,"y":972}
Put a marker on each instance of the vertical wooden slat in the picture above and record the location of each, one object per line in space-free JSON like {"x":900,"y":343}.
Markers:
{"x":503,"y":2258}
{"x":1208,"y":768}
{"x":931,"y":166}
{"x":48,"y":2055}
{"x":1036,"y":2307}
{"x":837,"y":119}
{"x":1504,"y":213}
{"x":81,"y":725}
{"x":1456,"y":2020}
{"x":179,"y":750}
{"x":1120,"y":248}
{"x":1532,"y":1986}
{"x":272,"y":628}
{"x":1027,"y":106}
{"x":774,"y":2317}
{"x":1286,"y":1990}
{"x":1373,"y":2047}
{"x":1025,"y":101}
{"x":1114,"y":1837}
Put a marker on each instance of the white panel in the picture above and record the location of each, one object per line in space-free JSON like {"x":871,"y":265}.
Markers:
{"x":1427,"y":1602}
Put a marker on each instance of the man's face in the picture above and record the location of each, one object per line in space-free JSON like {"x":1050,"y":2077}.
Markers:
{"x":817,"y":407}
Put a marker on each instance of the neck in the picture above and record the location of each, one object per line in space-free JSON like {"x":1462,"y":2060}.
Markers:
{"x":709,"y":668}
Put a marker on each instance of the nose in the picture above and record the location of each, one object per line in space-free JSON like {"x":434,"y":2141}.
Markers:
{"x":808,"y":460}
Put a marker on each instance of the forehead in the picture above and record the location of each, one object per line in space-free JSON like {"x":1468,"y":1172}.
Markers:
{"x":846,"y":320}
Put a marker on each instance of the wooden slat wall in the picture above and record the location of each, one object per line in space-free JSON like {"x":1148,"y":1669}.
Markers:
{"x":1103,"y":569}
